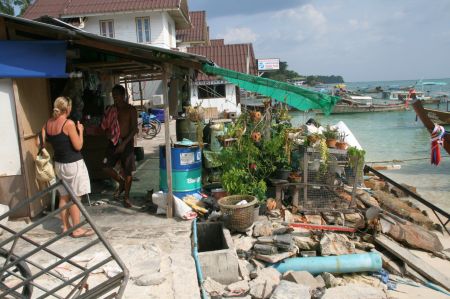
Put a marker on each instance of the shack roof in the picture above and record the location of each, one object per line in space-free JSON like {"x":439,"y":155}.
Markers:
{"x":121,"y":57}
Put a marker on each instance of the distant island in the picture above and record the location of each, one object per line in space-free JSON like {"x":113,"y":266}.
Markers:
{"x":285,"y":75}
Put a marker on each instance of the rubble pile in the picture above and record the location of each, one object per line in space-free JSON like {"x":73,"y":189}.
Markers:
{"x":280,"y":237}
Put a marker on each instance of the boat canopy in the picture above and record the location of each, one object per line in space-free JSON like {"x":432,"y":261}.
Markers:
{"x":295,"y":96}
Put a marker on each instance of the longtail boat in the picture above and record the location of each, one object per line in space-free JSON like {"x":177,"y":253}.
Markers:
{"x":437,"y":116}
{"x":428,"y":123}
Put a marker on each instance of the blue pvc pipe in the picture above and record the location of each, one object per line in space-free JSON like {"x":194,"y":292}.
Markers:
{"x":197,"y":262}
{"x":349,"y":263}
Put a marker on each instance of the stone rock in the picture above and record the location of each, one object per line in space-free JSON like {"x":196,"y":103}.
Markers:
{"x":320,"y":281}
{"x":400,"y":193}
{"x":240,"y":287}
{"x":354,"y":291}
{"x":263,"y":228}
{"x":330,"y":280}
{"x":365,"y":197}
{"x":245,"y":268}
{"x":263,"y":286}
{"x":288,"y":217}
{"x":244,"y":243}
{"x":282,"y":230}
{"x":353,"y":217}
{"x":305,"y":243}
{"x":318,"y":293}
{"x":301,"y":277}
{"x":336,"y":244}
{"x":149,"y":279}
{"x":213,"y":287}
{"x":364,"y":246}
{"x":290,"y":290}
{"x":314,"y":219}
{"x":375,"y":184}
{"x":332,"y":218}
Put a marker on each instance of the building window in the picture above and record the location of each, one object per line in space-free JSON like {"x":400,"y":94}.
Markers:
{"x":211,"y":91}
{"x":107,"y":28}
{"x":143,"y":30}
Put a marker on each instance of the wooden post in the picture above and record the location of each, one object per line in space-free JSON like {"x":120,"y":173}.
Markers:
{"x":166,"y":69}
{"x":140,"y":94}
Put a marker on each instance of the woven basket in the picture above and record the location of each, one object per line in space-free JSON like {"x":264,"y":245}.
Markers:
{"x":237,"y":218}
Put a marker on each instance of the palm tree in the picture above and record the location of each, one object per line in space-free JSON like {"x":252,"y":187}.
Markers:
{"x":7,"y":7}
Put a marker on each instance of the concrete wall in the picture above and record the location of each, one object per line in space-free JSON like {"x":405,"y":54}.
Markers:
{"x":228,"y":103}
{"x":125,"y":27}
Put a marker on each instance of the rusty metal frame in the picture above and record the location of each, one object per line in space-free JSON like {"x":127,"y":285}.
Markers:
{"x":77,"y":282}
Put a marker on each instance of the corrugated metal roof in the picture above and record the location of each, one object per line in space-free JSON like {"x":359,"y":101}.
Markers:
{"x":61,"y":8}
{"x":233,"y":57}
{"x":217,"y":42}
{"x":198,"y":32}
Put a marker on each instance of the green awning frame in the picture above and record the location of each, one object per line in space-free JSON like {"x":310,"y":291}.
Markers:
{"x":297,"y":97}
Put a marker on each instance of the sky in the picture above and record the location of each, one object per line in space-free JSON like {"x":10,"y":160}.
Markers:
{"x":361,"y":40}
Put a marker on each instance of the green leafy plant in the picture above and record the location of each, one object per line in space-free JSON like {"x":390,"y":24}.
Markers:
{"x":330,"y":133}
{"x":356,"y":159}
{"x":239,"y":181}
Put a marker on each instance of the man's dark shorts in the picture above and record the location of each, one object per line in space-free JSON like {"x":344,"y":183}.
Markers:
{"x":126,"y":158}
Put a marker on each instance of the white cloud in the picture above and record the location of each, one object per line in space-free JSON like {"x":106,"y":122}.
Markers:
{"x":305,"y":17}
{"x":239,"y":35}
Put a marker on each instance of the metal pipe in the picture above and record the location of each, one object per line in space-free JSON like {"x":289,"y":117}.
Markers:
{"x":348,"y":263}
{"x":197,"y":262}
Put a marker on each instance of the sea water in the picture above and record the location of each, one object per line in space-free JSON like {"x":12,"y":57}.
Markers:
{"x":399,"y":138}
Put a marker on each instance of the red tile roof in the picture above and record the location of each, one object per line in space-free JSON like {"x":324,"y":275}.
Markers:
{"x":233,"y":57}
{"x":199,"y":30}
{"x":61,"y":8}
{"x":217,"y":42}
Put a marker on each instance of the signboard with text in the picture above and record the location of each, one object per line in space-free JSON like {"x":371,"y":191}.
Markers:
{"x":270,"y":64}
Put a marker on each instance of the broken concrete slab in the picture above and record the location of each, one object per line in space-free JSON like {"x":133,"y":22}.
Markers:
{"x":213,"y":287}
{"x":354,"y":291}
{"x":301,"y":277}
{"x":275,"y":258}
{"x":320,"y":281}
{"x":305,"y":243}
{"x":262,"y":228}
{"x":263,"y":286}
{"x":336,"y":244}
{"x":149,"y":279}
{"x":290,"y":290}
{"x":237,"y":288}
{"x":243,"y":243}
{"x":330,"y":280}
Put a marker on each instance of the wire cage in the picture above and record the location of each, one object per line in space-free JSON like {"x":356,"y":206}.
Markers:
{"x":37,"y":263}
{"x":327,"y":185}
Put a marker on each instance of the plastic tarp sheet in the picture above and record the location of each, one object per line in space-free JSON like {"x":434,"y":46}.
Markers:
{"x":297,"y":97}
{"x":33,"y":59}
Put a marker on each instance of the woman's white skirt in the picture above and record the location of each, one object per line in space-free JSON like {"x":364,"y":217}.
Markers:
{"x":76,"y":175}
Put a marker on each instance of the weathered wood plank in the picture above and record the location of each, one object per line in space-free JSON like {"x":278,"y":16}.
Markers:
{"x":414,"y":262}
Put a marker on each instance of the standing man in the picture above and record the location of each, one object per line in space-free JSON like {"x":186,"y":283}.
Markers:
{"x":120,"y":124}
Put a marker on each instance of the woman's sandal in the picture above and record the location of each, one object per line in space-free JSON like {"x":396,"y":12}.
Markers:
{"x":87,"y":233}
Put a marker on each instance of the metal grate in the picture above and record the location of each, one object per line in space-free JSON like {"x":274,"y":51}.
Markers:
{"x":327,"y":186}
{"x":53,"y":267}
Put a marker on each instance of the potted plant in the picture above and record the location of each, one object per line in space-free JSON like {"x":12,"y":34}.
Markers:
{"x":331,"y":136}
{"x":341,"y":144}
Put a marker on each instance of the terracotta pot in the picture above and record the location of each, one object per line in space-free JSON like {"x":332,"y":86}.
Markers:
{"x":331,"y":143}
{"x":341,"y":145}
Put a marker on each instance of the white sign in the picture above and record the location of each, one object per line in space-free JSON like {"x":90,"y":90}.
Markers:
{"x":9,"y":145}
{"x":268,"y":64}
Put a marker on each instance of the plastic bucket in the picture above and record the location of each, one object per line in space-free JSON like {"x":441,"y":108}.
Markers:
{"x":186,"y":170}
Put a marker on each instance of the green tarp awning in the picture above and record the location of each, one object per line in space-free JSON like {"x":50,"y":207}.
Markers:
{"x":297,"y":97}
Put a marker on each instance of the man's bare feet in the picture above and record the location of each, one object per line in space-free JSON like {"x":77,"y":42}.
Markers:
{"x":127,"y":203}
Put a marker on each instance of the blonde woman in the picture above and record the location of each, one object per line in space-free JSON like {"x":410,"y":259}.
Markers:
{"x":66,"y":138}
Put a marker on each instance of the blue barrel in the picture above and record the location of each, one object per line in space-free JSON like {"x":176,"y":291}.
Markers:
{"x":186,"y":170}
